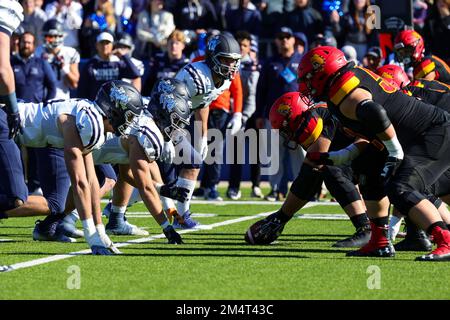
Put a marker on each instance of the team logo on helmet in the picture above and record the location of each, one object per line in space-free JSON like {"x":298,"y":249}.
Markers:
{"x":284,"y":109}
{"x":317,"y":62}
{"x":119,"y":96}
{"x":165,"y":87}
{"x":212,"y":43}
{"x":387,"y":75}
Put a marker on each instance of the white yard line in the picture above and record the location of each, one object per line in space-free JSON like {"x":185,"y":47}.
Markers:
{"x":36,"y":262}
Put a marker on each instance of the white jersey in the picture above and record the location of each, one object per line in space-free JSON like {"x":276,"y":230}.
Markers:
{"x":199,"y":81}
{"x":11,"y":15}
{"x":40,"y":123}
{"x":66,"y":56}
{"x":147,"y":134}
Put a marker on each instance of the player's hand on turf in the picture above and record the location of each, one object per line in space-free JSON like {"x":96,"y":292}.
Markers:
{"x":14,"y":124}
{"x":171,"y":190}
{"x":390,"y":167}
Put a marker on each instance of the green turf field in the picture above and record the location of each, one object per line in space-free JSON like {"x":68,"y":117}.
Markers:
{"x":217,"y":264}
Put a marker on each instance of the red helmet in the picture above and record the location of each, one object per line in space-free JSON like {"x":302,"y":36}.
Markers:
{"x":316,"y":69}
{"x":296,"y":122}
{"x":394,"y":73}
{"x":409,"y":46}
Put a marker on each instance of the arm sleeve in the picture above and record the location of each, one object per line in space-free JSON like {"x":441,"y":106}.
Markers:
{"x":236,"y":93}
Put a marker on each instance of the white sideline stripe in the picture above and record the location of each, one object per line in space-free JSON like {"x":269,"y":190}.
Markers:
{"x":6,"y":240}
{"x":141,"y":214}
{"x":262,"y":202}
{"x":36,"y":262}
{"x":318,"y":216}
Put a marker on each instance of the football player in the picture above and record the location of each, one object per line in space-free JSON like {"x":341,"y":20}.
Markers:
{"x":64,"y":60}
{"x":413,"y":135}
{"x":76,"y":126}
{"x":316,"y":130}
{"x":409,"y":48}
{"x":137,"y":152}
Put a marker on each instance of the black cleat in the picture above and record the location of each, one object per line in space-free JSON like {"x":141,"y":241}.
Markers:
{"x":173,"y":236}
{"x":415,"y":240}
{"x":360,"y":238}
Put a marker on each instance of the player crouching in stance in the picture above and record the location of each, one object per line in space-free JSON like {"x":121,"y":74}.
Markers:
{"x":316,"y":130}
{"x":414,"y":136}
{"x":136,"y":152}
{"x":65,"y":133}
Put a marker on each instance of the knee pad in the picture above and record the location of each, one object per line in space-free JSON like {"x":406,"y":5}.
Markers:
{"x":340,"y":185}
{"x":403,"y":197}
{"x":307,"y":182}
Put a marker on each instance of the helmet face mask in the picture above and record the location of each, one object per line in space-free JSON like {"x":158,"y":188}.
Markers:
{"x":404,"y":54}
{"x":223,"y":55}
{"x":53,"y":34}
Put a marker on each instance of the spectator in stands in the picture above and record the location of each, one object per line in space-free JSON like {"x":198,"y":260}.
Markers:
{"x":245,"y":17}
{"x":278,"y":76}
{"x":249,"y":73}
{"x":272,"y":14}
{"x":325,"y":39}
{"x":125,"y":43}
{"x":123,"y":12}
{"x":102,"y":19}
{"x":301,"y":42}
{"x":63,"y":60}
{"x":197,"y":15}
{"x":33,"y":19}
{"x":34,"y":78}
{"x":437,"y":29}
{"x":70,"y":14}
{"x":373,"y":59}
{"x":15,"y":39}
{"x":35,"y":82}
{"x":153,"y":27}
{"x":350,"y":54}
{"x":305,"y":19}
{"x":167,"y":64}
{"x":352,"y":28}
{"x":107,"y":65}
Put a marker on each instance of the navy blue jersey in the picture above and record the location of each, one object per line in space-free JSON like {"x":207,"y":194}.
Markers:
{"x":96,"y":72}
{"x":35,"y":74}
{"x":161,"y":67}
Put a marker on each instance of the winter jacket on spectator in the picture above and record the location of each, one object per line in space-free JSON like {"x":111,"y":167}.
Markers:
{"x":33,"y":19}
{"x":244,"y":18}
{"x":97,"y":71}
{"x":34,"y":78}
{"x":161,"y":67}
{"x":278,"y":76}
{"x":71,"y":16}
{"x":249,"y":73}
{"x":306,"y":20}
{"x":196,"y":14}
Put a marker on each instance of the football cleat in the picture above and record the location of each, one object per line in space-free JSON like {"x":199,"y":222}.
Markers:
{"x":265,"y":231}
{"x":234,"y":194}
{"x":69,"y":229}
{"x":442,"y":252}
{"x":415,"y":240}
{"x":173,"y":236}
{"x":256,"y":193}
{"x":185,"y":222}
{"x":360,"y":238}
{"x":50,"y":233}
{"x":378,"y":246}
{"x":101,"y":251}
{"x":124,"y":228}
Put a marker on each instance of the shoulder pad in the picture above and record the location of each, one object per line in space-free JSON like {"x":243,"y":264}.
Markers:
{"x":89,"y":124}
{"x":343,"y":87}
{"x":194,"y":77}
{"x":150,"y":138}
{"x":424,"y":68}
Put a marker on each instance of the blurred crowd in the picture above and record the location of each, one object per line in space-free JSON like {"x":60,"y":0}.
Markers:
{"x":68,"y":48}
